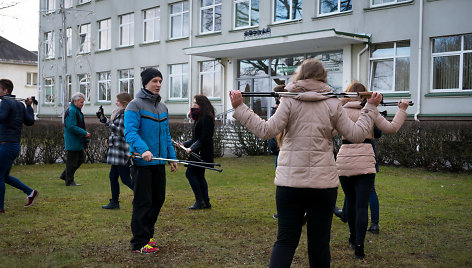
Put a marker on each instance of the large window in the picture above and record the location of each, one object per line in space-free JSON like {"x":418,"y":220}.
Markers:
{"x":104,"y":34}
{"x":210,"y":79}
{"x":49,"y":45}
{"x":126,"y":81}
{"x":127,"y":29}
{"x":179,"y":20}
{"x":84,"y":38}
{"x":84,"y":85}
{"x":210,"y":16}
{"x":246,"y":13}
{"x":178,"y":81}
{"x":285,"y":10}
{"x":390,"y":66}
{"x":69,"y":41}
{"x":334,"y":6}
{"x":104,"y":86}
{"x":386,"y":2}
{"x":151,"y":24}
{"x":50,"y":6}
{"x":49,"y":90}
{"x":31,"y":79}
{"x":452,"y":62}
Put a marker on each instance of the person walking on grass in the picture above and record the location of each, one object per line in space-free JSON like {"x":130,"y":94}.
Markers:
{"x":356,"y":167}
{"x":306,"y":175}
{"x":118,"y":149}
{"x":75,"y":137}
{"x":13,"y":115}
{"x":203,"y":115}
{"x":147,"y":133}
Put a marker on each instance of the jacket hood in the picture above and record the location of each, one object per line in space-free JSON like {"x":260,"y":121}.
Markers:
{"x":309,"y":90}
{"x":145,"y":94}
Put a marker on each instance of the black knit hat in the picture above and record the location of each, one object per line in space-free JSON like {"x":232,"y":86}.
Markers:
{"x":149,"y":74}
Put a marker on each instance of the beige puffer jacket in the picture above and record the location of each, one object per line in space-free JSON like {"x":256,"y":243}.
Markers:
{"x":306,"y":158}
{"x":359,"y":159}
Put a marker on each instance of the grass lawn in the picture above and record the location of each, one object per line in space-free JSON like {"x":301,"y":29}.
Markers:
{"x":425,"y":220}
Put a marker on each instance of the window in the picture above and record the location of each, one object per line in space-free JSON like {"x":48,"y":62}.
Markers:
{"x":151,"y":25}
{"x":84,"y":38}
{"x":84,"y":1}
{"x":126,"y":81}
{"x":31,"y":79}
{"x":104,"y":34}
{"x":334,"y":6}
{"x":179,"y":20}
{"x":390,"y":66}
{"x":50,"y":6}
{"x":178,"y":81}
{"x":84,"y":85}
{"x":127,"y":29}
{"x":49,"y":90}
{"x":386,"y":2}
{"x":210,"y":16}
{"x":104,"y":86}
{"x":69,"y":41}
{"x":68,"y":3}
{"x":451,"y":59}
{"x":246,"y":13}
{"x":69,"y":86}
{"x":285,"y":10}
{"x":210,"y":79}
{"x":49,"y":45}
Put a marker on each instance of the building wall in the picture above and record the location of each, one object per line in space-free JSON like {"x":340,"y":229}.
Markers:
{"x":17,"y":73}
{"x":384,"y":24}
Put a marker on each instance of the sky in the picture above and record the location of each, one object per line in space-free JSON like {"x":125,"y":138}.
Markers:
{"x":19,"y":24}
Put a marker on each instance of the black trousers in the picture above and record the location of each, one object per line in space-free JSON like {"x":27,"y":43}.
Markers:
{"x":196,"y":178}
{"x":292,"y":203}
{"x":149,"y":194}
{"x":357,"y":194}
{"x":73,"y":162}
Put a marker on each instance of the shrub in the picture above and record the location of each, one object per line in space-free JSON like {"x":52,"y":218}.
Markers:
{"x":246,"y":143}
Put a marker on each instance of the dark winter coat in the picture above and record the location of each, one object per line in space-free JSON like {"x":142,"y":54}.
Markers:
{"x":74,"y":129}
{"x":202,"y":139}
{"x":13,"y":115}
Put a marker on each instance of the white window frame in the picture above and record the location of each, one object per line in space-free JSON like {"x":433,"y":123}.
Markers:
{"x":334,"y":12}
{"x":461,"y":67}
{"x":84,"y":38}
{"x":49,"y":52}
{"x":49,"y":88}
{"x":291,"y":13}
{"x":394,"y":59}
{"x":69,"y":41}
{"x":180,"y":16}
{"x":31,"y":79}
{"x":85,"y":83}
{"x":107,"y":85}
{"x":213,"y":8}
{"x":128,"y":79}
{"x":215,"y":74}
{"x":235,"y":3}
{"x":68,"y":3}
{"x":84,"y":2}
{"x":392,"y":2}
{"x":129,"y":25}
{"x":181,"y":76}
{"x":50,"y":6}
{"x":69,"y":85}
{"x":104,"y":34}
{"x":155,"y":22}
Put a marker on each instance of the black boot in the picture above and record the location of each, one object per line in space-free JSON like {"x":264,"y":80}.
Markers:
{"x":374,"y":228}
{"x":340,"y":214}
{"x":112,"y":205}
{"x":352,"y":242}
{"x":359,"y":252}
{"x":199,"y":204}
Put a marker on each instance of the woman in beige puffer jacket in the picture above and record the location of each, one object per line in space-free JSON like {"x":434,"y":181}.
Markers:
{"x":306,"y":175}
{"x":356,"y":167}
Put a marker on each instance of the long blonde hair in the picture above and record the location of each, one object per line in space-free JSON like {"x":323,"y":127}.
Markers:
{"x":311,"y":69}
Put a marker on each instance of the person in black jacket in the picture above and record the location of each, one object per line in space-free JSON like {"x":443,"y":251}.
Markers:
{"x":203,"y":115}
{"x":13,"y":115}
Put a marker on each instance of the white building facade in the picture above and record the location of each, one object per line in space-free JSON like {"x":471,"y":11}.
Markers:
{"x":417,"y":49}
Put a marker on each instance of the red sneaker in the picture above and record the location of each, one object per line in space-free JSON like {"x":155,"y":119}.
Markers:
{"x":152,"y":243}
{"x":31,"y":198}
{"x":146,"y":250}
{"x":2,"y":211}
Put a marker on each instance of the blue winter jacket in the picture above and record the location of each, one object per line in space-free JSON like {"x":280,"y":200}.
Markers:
{"x":147,"y":128}
{"x":74,"y":131}
{"x":12,"y":116}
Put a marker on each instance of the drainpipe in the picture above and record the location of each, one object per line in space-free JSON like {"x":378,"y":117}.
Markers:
{"x":420,"y":50}
{"x":359,"y":60}
{"x":190,"y":35}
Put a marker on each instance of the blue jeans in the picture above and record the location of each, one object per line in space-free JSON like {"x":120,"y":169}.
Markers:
{"x":124,"y":173}
{"x":8,"y":153}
